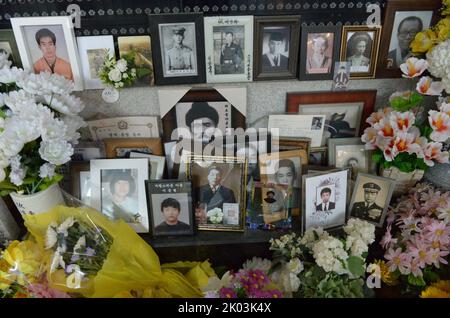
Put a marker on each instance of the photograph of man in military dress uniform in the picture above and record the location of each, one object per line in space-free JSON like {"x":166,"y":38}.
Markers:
{"x":179,"y":52}
{"x":369,"y":209}
{"x":231,"y":55}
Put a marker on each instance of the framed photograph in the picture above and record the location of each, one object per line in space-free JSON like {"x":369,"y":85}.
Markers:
{"x":324,"y":199}
{"x":349,"y":153}
{"x":318,"y":156}
{"x":346,"y":111}
{"x":292,"y":143}
{"x":48,"y":44}
{"x":92,"y":51}
{"x":156,"y":164}
{"x":80,"y":177}
{"x":319,"y":51}
{"x":118,"y":190}
{"x":371,"y":198}
{"x":124,"y":127}
{"x":229,"y":48}
{"x":179,"y":45}
{"x":88,"y":150}
{"x":201,"y":114}
{"x":403,"y":19}
{"x":276,"y":47}
{"x":359,"y":47}
{"x":285,"y":168}
{"x":276,"y":206}
{"x":219,"y":191}
{"x":8,"y":45}
{"x":141,"y":46}
{"x":170,"y":206}
{"x":121,"y":148}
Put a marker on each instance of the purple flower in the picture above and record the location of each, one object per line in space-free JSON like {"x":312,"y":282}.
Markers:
{"x":74,"y":258}
{"x":90,"y":251}
{"x":227,"y":293}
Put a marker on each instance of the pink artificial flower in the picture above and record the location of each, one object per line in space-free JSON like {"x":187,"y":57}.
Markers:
{"x":443,"y":212}
{"x":405,"y":142}
{"x":426,"y":86}
{"x":369,"y":138}
{"x":440,"y":122}
{"x":437,"y":257}
{"x":376,"y":117}
{"x":445,"y":108}
{"x":438,"y":232}
{"x":384,"y":128}
{"x":227,"y":293}
{"x":397,"y":260}
{"x":387,"y":239}
{"x":413,"y":67}
{"x":44,"y":291}
{"x":402,"y":121}
{"x":433,"y":152}
{"x":416,"y":268}
{"x":386,"y":145}
{"x":420,"y":252}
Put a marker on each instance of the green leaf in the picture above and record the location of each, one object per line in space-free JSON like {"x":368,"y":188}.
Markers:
{"x":355,"y":265}
{"x":377,"y":156}
{"x":416,"y":281}
{"x":142,"y":72}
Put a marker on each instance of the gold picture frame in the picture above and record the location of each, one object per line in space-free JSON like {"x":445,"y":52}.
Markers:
{"x":113,"y":146}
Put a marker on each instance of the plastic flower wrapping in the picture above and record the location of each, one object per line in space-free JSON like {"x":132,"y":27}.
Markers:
{"x":417,"y":238}
{"x":39,"y":123}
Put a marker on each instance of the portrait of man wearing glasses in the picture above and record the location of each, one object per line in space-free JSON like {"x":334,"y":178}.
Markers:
{"x":406,"y":32}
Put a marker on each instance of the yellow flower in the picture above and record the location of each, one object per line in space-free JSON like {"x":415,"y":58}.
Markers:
{"x":443,"y":285}
{"x":386,"y":276}
{"x":442,"y":29}
{"x":440,"y":289}
{"x":423,"y":41}
{"x":446,"y":8}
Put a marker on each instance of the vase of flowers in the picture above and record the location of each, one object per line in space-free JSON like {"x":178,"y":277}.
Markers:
{"x":116,"y":75}
{"x":39,"y":123}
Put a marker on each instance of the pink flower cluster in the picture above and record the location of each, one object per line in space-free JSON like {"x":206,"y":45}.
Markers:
{"x":251,"y":283}
{"x":394,"y":132}
{"x":422,"y":218}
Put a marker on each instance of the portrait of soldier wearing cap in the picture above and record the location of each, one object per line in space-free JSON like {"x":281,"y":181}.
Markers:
{"x":179,"y":58}
{"x":231,"y":56}
{"x":274,"y":60}
{"x":368,"y":209}
{"x":202,"y":119}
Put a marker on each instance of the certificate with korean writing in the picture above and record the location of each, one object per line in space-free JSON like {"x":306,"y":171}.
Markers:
{"x":124,"y":127}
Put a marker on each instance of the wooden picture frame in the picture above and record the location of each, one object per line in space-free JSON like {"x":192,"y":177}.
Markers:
{"x":283,"y":27}
{"x":75,"y":169}
{"x":292,"y":143}
{"x":304,"y":74}
{"x":362,"y":32}
{"x":133,"y":144}
{"x":8,"y":44}
{"x":367,"y":97}
{"x":193,"y":35}
{"x":390,"y":10}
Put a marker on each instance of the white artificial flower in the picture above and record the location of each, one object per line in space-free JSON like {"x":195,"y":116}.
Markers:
{"x":56,"y":84}
{"x":2,"y":99}
{"x":4,"y":61}
{"x":439,"y":63}
{"x":361,"y":229}
{"x":56,"y":151}
{"x":18,"y":101}
{"x":14,"y":162}
{"x":10,"y":144}
{"x":286,"y":280}
{"x":65,"y":104}
{"x":53,"y":128}
{"x":258,"y":263}
{"x":80,"y":244}
{"x":215,"y":215}
{"x":355,"y":246}
{"x":115,"y":75}
{"x":16,"y":176}
{"x":24,"y":129}
{"x":11,"y":75}
{"x":309,"y":237}
{"x":64,"y":226}
{"x":329,"y":254}
{"x":33,"y":84}
{"x":2,"y":174}
{"x":215,"y":283}
{"x":4,"y":160}
{"x":57,"y":260}
{"x":121,"y":65}
{"x":74,"y":280}
{"x":125,"y":75}
{"x":295,"y":266}
{"x":51,"y":237}
{"x":47,"y":170}
{"x":73,"y":123}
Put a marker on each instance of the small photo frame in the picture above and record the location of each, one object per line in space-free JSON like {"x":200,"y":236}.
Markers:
{"x":219,"y":191}
{"x":156,"y":164}
{"x":371,"y":198}
{"x":349,"y":152}
{"x":80,"y":177}
{"x":292,"y":143}
{"x":359,"y":47}
{"x":178,"y":43}
{"x":92,"y":51}
{"x":170,"y":206}
{"x":319,"y":52}
{"x":118,"y":190}
{"x":48,"y":44}
{"x":341,"y":77}
{"x":229,"y":48}
{"x":318,"y":156}
{"x":121,"y":148}
{"x":88,"y":150}
{"x":8,"y":44}
{"x":324,"y":199}
{"x":276,"y":47}
{"x":275,"y":203}
{"x":124,"y":127}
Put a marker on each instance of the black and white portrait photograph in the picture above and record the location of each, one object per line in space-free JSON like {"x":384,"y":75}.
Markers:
{"x":275,"y":53}
{"x":178,"y":48}
{"x":319,"y":57}
{"x":170,"y":207}
{"x":371,"y":197}
{"x":218,"y":184}
{"x":275,"y":206}
{"x":229,"y":49}
{"x":405,"y":27}
{"x":348,"y":152}
{"x":317,"y":123}
{"x":324,"y":199}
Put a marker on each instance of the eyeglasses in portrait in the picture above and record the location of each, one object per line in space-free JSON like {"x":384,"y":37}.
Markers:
{"x":324,"y":199}
{"x":371,"y":198}
{"x":170,"y":203}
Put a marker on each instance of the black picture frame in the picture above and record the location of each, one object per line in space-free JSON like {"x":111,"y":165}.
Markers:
{"x":157,"y":187}
{"x":336,"y":30}
{"x":7,"y":35}
{"x":155,"y":20}
{"x":260,"y":22}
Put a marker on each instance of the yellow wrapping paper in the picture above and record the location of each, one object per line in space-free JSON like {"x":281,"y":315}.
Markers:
{"x":132,"y":265}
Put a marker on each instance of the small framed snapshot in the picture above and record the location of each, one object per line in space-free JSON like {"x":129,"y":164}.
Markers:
{"x":48,"y":44}
{"x":403,"y":19}
{"x":292,"y":143}
{"x":92,"y":51}
{"x":141,"y":47}
{"x":349,"y":153}
{"x":371,"y":198}
{"x":80,"y":177}
{"x":276,"y":206}
{"x":324,"y":199}
{"x":88,"y":150}
{"x":8,"y":45}
{"x":276,"y":47}
{"x":118,"y":190}
{"x":179,"y":46}
{"x":285,"y":168}
{"x":124,"y":127}
{"x":121,"y":148}
{"x":170,"y":206}
{"x":318,"y":156}
{"x":229,"y":48}
{"x":156,"y":164}
{"x":319,"y":51}
{"x":359,"y":47}
{"x":219,"y":191}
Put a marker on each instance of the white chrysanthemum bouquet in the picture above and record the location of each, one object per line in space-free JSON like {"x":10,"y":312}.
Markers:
{"x":38,"y":126}
{"x":119,"y":73}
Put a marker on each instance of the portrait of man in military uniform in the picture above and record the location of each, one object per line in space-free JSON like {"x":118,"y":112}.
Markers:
{"x":179,"y":53}
{"x":231,"y":55}
{"x":369,"y":209}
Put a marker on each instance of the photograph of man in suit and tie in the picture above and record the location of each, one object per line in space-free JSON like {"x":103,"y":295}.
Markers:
{"x":275,"y":50}
{"x":326,"y":202}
